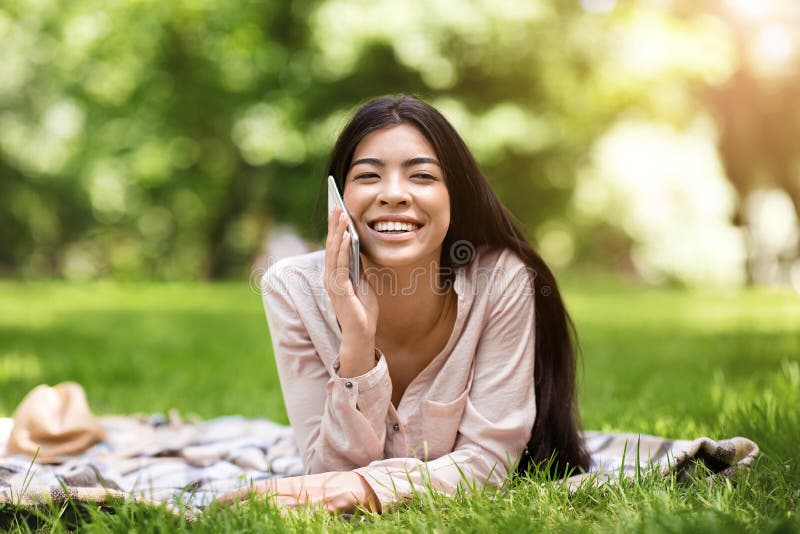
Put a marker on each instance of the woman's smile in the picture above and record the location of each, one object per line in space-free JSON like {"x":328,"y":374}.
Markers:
{"x":395,"y":235}
{"x":392,"y":229}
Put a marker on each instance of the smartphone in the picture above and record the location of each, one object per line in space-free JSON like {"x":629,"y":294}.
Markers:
{"x":335,"y":199}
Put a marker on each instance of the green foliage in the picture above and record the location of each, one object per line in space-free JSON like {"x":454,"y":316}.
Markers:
{"x":143,"y":139}
{"x":130,"y":152}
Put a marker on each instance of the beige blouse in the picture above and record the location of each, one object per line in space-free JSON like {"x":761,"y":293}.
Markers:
{"x":467,"y":415}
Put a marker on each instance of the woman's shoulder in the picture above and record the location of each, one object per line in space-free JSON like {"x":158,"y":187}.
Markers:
{"x":497,"y":260}
{"x":301,"y":271}
{"x":495,"y":270}
{"x":308,"y":260}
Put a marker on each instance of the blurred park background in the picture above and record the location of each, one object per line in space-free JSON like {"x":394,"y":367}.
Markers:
{"x":179,"y":140}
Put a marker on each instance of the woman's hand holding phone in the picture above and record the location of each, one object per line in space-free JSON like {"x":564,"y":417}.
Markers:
{"x":356,"y":310}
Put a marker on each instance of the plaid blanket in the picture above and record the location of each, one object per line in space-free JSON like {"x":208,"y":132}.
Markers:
{"x":186,"y":464}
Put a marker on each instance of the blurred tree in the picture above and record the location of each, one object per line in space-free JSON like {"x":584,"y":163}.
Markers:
{"x":163,"y":139}
{"x":143,"y":138}
{"x":758,"y":123}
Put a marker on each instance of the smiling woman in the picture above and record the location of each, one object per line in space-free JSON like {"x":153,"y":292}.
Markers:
{"x":452,"y":362}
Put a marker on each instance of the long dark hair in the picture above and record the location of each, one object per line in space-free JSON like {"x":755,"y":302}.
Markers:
{"x":478,"y":217}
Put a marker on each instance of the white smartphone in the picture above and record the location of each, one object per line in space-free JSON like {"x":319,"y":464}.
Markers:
{"x":335,"y":199}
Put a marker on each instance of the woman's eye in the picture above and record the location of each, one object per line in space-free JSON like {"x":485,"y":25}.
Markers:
{"x":366,"y":175}
{"x":424,"y":176}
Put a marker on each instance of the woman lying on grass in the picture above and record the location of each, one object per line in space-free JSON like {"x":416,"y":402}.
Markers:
{"x":435,"y":370}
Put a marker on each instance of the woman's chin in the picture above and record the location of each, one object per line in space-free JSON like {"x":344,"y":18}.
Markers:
{"x":398,"y":259}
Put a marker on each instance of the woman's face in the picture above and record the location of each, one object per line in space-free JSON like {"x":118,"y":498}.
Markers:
{"x":396,"y":195}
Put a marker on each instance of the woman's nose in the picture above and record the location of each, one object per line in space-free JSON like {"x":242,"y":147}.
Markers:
{"x":394,"y":191}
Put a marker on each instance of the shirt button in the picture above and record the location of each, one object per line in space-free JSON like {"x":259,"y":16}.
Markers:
{"x":395,"y":427}
{"x":348,"y":384}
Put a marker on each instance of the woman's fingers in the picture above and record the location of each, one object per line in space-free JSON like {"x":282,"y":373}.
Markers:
{"x":241,"y":494}
{"x":330,"y":260}
{"x":343,"y":263}
{"x":340,"y":248}
{"x":260,"y":491}
{"x":334,"y":283}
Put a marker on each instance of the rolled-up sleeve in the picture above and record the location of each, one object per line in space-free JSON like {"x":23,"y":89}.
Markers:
{"x":339,"y":423}
{"x":499,"y":414}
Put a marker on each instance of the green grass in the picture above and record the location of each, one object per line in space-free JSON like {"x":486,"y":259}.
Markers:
{"x":200,"y":349}
{"x":664,"y":361}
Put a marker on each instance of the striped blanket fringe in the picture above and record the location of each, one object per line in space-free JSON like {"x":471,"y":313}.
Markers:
{"x":186,"y":464}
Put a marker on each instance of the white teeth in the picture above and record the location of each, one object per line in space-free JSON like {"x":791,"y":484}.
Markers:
{"x":384,"y":226}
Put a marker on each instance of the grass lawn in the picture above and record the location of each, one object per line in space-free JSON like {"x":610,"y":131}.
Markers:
{"x":660,"y":361}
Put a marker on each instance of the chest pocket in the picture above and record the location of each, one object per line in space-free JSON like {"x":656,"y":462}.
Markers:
{"x":440,"y":422}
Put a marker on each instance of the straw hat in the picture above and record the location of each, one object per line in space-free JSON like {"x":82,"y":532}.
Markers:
{"x":56,"y":420}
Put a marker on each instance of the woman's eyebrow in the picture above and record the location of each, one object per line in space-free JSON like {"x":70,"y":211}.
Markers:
{"x":407,"y":163}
